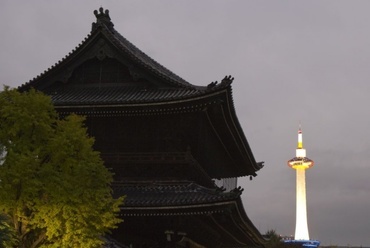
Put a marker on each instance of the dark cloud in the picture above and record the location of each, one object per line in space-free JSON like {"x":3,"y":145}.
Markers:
{"x":292,"y":61}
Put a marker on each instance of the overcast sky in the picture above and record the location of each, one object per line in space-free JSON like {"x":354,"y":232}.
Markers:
{"x":293,"y":61}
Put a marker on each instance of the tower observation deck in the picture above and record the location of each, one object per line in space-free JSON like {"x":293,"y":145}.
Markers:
{"x":301,"y":163}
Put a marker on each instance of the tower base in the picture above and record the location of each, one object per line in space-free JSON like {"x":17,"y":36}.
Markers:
{"x":302,"y":243}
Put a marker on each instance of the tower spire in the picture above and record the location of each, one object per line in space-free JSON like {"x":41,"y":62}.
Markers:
{"x":300,"y":141}
{"x":300,"y":151}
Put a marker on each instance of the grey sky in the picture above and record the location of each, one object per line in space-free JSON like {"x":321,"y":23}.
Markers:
{"x":293,"y":61}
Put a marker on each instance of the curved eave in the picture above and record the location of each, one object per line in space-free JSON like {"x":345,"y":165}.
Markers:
{"x":224,"y":121}
{"x":214,"y":225}
{"x":230,"y":122}
{"x":241,"y":135}
{"x":136,"y":99}
{"x":170,"y":196}
{"x":245,"y":225}
{"x":236,"y":228}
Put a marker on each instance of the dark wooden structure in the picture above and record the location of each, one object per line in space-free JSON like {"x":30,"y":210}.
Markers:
{"x":166,"y":140}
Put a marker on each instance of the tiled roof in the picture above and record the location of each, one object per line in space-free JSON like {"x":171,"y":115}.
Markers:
{"x":161,"y":194}
{"x":105,"y":27}
{"x":117,"y":94}
{"x":127,"y":47}
{"x":103,"y":23}
{"x":147,"y":61}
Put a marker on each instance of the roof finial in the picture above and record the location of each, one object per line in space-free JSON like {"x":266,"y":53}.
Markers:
{"x":102,"y":18}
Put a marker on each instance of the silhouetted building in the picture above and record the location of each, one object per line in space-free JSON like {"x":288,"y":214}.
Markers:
{"x":166,"y":140}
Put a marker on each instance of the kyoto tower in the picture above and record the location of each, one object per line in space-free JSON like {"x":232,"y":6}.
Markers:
{"x":301,"y":163}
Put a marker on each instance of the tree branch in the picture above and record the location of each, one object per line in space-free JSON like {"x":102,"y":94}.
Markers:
{"x":39,"y":240}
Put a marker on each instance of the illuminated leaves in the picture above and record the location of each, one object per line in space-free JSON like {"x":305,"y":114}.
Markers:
{"x":54,"y":188}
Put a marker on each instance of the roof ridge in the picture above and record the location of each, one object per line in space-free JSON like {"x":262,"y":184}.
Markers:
{"x":145,"y":59}
{"x":106,"y":26}
{"x":172,"y":194}
{"x":57,"y":63}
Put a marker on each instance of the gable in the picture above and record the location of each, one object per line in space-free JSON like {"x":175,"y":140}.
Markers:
{"x":95,"y":71}
{"x":106,"y":53}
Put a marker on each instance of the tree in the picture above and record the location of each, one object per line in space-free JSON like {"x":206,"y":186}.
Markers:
{"x":274,"y":240}
{"x":54,"y":187}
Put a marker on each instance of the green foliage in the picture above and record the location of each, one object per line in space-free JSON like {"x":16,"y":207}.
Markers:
{"x":7,"y":233}
{"x":54,"y":188}
{"x":274,"y":240}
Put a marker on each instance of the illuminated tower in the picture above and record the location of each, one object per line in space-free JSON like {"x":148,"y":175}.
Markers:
{"x":301,"y":163}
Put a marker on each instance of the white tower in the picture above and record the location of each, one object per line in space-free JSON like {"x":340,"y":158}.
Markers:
{"x":301,"y":163}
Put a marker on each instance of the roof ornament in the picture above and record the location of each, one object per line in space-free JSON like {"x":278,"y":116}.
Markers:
{"x":227,"y":80}
{"x":212,"y":84}
{"x":238,"y":190}
{"x":102,"y":18}
{"x":220,"y":189}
